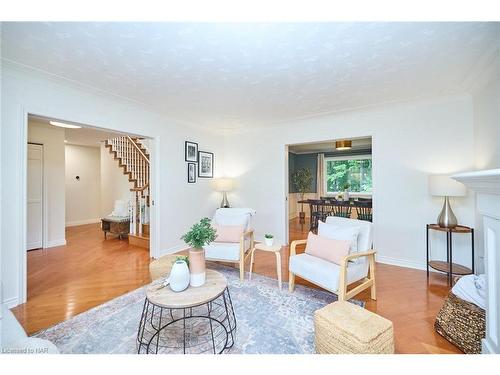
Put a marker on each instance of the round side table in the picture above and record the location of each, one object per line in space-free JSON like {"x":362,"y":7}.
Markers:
{"x":196,"y":320}
{"x":272,"y":249}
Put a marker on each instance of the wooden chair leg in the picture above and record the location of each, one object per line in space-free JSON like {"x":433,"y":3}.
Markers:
{"x":242,"y":269}
{"x":291,"y":282}
{"x":278,"y":267}
{"x":251,"y":264}
{"x":373,"y":289}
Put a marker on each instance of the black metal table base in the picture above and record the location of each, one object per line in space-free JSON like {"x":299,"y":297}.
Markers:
{"x":206,"y":328}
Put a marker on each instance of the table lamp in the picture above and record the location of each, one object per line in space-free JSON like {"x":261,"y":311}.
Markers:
{"x":224,"y":185}
{"x":444,"y":186}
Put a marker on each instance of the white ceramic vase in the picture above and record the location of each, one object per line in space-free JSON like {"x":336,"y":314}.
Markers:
{"x":269,"y":241}
{"x":179,"y":276}
{"x":346,"y":195}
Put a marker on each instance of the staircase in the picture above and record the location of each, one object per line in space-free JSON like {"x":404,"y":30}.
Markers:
{"x":133,"y":157}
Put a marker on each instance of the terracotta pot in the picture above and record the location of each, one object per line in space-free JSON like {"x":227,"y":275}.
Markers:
{"x":197,"y":267}
{"x":302,"y":217}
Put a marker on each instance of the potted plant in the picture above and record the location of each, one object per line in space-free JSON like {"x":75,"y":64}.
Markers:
{"x":200,"y":234}
{"x":346,"y":187}
{"x":179,"y":274}
{"x":269,"y":239}
{"x":302,"y":180}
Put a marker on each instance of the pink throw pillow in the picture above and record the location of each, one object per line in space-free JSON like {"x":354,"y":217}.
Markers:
{"x":228,"y":233}
{"x":326,"y":248}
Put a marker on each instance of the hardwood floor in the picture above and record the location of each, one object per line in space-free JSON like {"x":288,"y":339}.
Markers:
{"x":88,"y":271}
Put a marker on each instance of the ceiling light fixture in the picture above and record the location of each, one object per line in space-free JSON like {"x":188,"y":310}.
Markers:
{"x":343,"y":145}
{"x":63,"y":125}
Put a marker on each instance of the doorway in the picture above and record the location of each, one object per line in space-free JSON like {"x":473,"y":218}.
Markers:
{"x":66,"y":246}
{"x":328,"y":178}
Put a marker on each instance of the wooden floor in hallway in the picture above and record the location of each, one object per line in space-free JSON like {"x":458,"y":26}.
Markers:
{"x":88,"y":271}
{"x":67,"y":280}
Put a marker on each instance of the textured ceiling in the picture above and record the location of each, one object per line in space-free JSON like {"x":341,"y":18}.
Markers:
{"x":239,"y":75}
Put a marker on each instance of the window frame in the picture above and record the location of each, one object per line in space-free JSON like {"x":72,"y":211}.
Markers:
{"x":341,"y":158}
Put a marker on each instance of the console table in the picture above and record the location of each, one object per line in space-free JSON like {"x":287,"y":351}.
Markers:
{"x":448,"y":266}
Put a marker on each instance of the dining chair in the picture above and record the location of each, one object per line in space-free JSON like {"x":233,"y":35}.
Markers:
{"x":364,"y":210}
{"x":316,"y":210}
{"x":342,"y":209}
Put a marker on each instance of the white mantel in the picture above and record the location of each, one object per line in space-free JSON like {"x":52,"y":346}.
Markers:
{"x":486,"y":184}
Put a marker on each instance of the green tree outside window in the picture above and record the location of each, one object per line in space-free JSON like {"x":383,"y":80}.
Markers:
{"x":356,"y":173}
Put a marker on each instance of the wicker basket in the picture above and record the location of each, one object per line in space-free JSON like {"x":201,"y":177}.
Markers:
{"x":462,"y":323}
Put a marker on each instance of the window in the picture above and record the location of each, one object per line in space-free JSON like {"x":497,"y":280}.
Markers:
{"x":353,"y":171}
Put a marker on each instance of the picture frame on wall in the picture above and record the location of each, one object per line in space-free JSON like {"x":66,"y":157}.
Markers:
{"x":191,"y":173}
{"x":205,"y":164}
{"x":191,"y":151}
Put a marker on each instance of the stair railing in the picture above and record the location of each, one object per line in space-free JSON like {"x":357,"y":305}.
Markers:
{"x":137,"y":165}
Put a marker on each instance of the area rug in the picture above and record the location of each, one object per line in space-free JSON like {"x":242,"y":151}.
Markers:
{"x":269,"y":321}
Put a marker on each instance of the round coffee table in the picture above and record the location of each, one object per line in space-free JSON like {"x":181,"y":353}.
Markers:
{"x":196,"y":320}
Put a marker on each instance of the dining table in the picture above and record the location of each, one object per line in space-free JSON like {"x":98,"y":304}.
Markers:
{"x":329,"y":201}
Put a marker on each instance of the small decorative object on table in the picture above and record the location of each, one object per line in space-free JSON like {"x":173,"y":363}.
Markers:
{"x":269,"y":239}
{"x":179,"y":274}
{"x":200,"y":234}
{"x":346,"y":192}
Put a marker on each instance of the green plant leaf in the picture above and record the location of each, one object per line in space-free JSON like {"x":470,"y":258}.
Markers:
{"x":200,"y":234}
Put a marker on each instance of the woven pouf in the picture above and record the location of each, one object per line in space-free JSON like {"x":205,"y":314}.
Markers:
{"x":344,"y":328}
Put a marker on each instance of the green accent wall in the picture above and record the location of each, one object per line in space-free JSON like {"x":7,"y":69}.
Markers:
{"x":299,"y":161}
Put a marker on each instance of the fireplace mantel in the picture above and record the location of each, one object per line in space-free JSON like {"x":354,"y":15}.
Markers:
{"x":486,"y":184}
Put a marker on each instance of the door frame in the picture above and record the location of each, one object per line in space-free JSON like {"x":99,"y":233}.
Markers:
{"x":154,"y":212}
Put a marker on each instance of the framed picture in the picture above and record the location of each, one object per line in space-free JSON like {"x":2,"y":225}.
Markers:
{"x":191,"y":173}
{"x":205,"y":164}
{"x":191,"y":151}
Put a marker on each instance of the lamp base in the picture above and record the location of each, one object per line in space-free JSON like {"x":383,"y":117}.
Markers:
{"x":447,"y":218}
{"x":225,"y":202}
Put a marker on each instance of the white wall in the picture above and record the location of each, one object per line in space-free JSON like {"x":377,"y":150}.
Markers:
{"x":25,"y":91}
{"x":487,"y":120}
{"x":83,"y":196}
{"x":52,"y":139}
{"x":486,"y":104}
{"x":410,"y":141}
{"x":1,"y":167}
{"x":114,"y":184}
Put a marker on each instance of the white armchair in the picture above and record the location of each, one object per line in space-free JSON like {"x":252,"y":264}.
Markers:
{"x":232,"y":252}
{"x":335,"y":278}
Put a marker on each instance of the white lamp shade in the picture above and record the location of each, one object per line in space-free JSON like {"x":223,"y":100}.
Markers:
{"x":223,"y":184}
{"x":444,"y":186}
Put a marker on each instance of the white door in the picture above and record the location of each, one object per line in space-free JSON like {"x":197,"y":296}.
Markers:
{"x":34,"y":238}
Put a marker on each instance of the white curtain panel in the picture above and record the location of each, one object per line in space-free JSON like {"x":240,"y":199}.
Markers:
{"x":320,"y":177}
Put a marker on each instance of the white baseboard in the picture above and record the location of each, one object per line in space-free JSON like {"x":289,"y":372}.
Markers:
{"x":401,"y":262}
{"x":54,"y":243}
{"x":173,"y":250}
{"x":11,"y":302}
{"x":82,"y":222}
